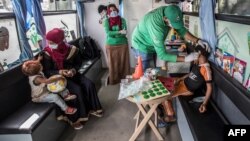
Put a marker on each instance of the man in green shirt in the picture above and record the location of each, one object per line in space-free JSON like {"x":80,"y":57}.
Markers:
{"x":149,"y":35}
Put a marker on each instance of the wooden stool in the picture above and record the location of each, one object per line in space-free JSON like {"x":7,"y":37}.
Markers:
{"x":153,"y":104}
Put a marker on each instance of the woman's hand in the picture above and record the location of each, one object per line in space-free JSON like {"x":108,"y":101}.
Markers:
{"x":203,"y":108}
{"x":68,"y":73}
{"x":63,"y":72}
{"x":71,"y":72}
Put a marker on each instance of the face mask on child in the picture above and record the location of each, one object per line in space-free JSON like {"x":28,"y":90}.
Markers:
{"x":113,"y":14}
{"x":53,"y":46}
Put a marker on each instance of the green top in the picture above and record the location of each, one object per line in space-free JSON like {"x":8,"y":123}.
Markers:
{"x":151,"y":32}
{"x":113,"y":36}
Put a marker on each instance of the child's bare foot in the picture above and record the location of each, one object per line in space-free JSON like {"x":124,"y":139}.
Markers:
{"x":170,"y":119}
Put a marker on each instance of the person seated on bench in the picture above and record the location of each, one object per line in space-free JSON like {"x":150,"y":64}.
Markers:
{"x":186,"y":85}
{"x":39,"y":91}
{"x":64,"y":59}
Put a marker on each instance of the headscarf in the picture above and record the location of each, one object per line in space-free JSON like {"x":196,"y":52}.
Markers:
{"x":114,"y":20}
{"x":56,"y":35}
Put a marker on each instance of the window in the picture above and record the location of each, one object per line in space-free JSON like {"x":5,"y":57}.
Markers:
{"x":5,"y":6}
{"x":9,"y":45}
{"x":190,"y":6}
{"x":234,"y":7}
{"x":58,"y":5}
{"x":67,"y":22}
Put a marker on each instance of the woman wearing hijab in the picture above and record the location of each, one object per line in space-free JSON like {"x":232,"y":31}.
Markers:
{"x":116,"y":45}
{"x":64,"y":59}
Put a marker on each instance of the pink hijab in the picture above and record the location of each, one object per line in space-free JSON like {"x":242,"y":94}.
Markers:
{"x":58,"y":55}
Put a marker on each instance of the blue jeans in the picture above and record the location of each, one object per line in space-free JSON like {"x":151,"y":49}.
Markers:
{"x":146,"y":58}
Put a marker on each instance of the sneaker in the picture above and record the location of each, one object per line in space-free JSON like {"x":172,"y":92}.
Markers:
{"x":77,"y":126}
{"x":69,"y":97}
{"x":162,"y":124}
{"x":70,"y":111}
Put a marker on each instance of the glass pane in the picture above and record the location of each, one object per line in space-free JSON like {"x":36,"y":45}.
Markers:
{"x":58,"y":5}
{"x":196,"y":5}
{"x":234,"y":7}
{"x":48,"y":5}
{"x":67,"y":22}
{"x":187,"y":6}
{"x":9,"y":45}
{"x":5,"y":6}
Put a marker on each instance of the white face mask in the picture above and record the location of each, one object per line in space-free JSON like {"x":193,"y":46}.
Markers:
{"x":113,"y":14}
{"x":53,"y":46}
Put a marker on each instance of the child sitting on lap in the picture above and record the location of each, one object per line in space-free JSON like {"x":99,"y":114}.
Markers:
{"x":39,"y":91}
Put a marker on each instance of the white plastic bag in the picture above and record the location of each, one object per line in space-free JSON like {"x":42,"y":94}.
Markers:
{"x":134,"y":87}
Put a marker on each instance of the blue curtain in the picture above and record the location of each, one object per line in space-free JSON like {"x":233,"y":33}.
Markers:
{"x":19,"y":8}
{"x":39,"y":20}
{"x":121,"y":8}
{"x":80,"y":13}
{"x":207,"y":22}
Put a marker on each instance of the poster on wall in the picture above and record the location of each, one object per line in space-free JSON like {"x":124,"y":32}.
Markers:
{"x":239,"y":69}
{"x":248,"y":83}
{"x":218,"y":56}
{"x":228,"y":61}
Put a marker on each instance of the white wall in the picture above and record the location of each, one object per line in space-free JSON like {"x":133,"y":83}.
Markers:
{"x":134,"y":10}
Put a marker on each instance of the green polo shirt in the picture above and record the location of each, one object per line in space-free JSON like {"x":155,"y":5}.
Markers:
{"x":149,"y":35}
{"x":113,"y":37}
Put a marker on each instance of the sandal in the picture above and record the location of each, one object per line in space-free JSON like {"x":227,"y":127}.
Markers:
{"x":70,"y":110}
{"x":77,"y":126}
{"x":69,"y":97}
{"x":97,"y":114}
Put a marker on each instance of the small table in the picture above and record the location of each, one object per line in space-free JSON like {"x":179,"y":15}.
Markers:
{"x":153,"y":104}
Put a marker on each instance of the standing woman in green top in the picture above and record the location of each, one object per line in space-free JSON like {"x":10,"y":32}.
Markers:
{"x":116,"y":45}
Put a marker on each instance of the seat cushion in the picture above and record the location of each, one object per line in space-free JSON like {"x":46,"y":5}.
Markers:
{"x":14,"y":91}
{"x":12,"y":123}
{"x":204,"y":127}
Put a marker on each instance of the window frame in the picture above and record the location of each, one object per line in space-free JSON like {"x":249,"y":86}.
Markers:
{"x":11,"y":15}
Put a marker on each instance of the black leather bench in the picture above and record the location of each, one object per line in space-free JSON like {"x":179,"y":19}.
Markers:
{"x":204,"y":127}
{"x":210,"y":125}
{"x":16,"y":107}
